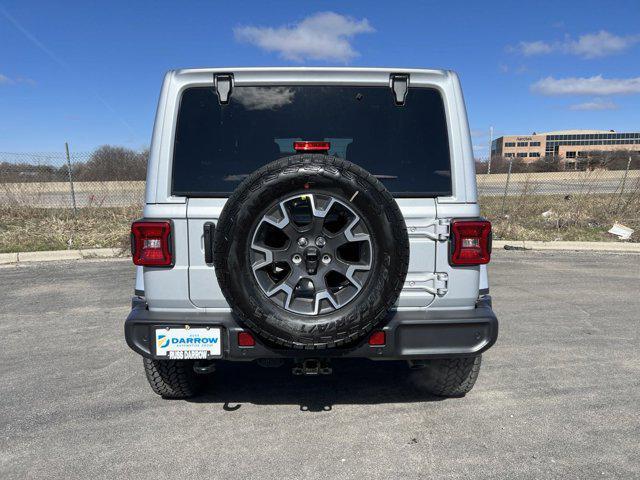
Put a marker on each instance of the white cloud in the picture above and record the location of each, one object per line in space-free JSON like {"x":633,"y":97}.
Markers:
{"x":516,"y":70}
{"x":587,"y":86}
{"x":321,"y":36}
{"x":596,"y":104}
{"x":590,"y":45}
{"x":600,"y":44}
{"x":534,"y":48}
{"x":4,"y":80}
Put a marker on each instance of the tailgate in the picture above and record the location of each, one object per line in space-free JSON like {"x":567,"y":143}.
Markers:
{"x":419,"y":286}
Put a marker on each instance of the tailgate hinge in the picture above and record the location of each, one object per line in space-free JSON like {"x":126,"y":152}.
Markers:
{"x":437,"y":229}
{"x":433,"y":283}
{"x":223,"y":84}
{"x":399,"y":84}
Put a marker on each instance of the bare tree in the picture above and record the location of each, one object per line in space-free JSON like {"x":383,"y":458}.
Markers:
{"x":113,"y":163}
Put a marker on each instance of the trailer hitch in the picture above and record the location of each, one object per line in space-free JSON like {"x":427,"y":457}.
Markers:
{"x":311,"y":366}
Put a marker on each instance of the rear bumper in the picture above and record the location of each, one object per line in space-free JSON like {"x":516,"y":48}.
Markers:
{"x":409,"y":335}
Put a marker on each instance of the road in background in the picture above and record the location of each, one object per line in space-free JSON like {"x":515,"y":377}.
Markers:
{"x":559,"y":183}
{"x":557,"y":396}
{"x":128,"y":193}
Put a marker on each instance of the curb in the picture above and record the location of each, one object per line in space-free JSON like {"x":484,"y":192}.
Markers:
{"x":53,"y":255}
{"x":573,"y":246}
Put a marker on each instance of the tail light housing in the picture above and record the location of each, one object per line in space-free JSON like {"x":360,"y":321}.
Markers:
{"x":470,"y":242}
{"x":151,"y":243}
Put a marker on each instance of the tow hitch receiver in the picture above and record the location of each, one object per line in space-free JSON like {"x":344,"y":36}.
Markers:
{"x":204,"y":368}
{"x":311,"y":366}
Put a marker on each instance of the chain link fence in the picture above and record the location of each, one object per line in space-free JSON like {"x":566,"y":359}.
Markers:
{"x":51,"y":201}
{"x":68,"y":200}
{"x":108,"y":177}
{"x":557,"y":199}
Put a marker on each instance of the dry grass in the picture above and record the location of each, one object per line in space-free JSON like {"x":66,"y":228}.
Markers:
{"x":582,"y":216}
{"x":573,"y":217}
{"x":585,"y":216}
{"x":32,"y":229}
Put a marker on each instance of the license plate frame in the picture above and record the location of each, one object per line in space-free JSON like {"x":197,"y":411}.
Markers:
{"x":202,"y":342}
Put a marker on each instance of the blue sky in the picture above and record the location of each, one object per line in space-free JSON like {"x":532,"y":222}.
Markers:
{"x":90,"y":72}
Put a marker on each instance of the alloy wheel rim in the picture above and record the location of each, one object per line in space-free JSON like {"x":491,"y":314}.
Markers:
{"x":311,"y":253}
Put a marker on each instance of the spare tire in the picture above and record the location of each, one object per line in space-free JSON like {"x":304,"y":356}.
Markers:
{"x":311,"y":251}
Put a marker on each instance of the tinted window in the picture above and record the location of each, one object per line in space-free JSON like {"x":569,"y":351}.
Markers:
{"x":216,"y":146}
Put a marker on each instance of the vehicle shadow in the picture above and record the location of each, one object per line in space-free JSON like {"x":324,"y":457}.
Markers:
{"x":354,"y":381}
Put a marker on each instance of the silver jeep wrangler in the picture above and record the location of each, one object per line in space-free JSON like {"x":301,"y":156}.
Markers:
{"x":299,"y":215}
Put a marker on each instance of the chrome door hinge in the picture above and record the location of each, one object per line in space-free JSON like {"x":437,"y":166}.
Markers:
{"x":433,"y":283}
{"x":437,"y":229}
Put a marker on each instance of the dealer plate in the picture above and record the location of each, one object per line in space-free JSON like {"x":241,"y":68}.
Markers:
{"x":188,"y":343}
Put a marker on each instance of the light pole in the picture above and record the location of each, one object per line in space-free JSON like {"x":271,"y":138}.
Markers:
{"x":490,"y":149}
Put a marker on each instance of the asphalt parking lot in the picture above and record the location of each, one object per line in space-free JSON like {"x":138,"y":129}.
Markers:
{"x":558,"y":396}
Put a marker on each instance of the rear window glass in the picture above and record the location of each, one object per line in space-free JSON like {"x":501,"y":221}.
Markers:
{"x":216,"y":146}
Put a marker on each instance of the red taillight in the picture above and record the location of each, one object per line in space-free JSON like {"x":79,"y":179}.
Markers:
{"x":470,"y":242}
{"x":245,"y":339}
{"x":377,"y":338}
{"x":311,"y":146}
{"x":150,"y":243}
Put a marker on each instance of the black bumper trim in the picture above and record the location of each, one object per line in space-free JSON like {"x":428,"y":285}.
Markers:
{"x":409,"y":335}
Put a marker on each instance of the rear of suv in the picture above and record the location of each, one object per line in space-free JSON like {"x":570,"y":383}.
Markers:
{"x":298,"y":215}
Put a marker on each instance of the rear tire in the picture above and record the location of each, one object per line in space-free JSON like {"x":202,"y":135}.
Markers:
{"x":172,"y":378}
{"x":448,"y":377}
